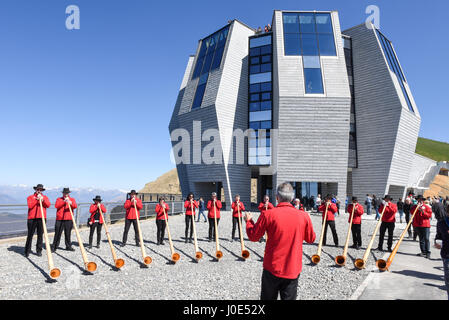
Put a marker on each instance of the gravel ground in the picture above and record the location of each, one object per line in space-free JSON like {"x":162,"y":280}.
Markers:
{"x":230,"y":278}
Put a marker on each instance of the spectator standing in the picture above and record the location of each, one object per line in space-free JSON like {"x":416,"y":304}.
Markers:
{"x":400,"y":205}
{"x":443,"y":230}
{"x":201,"y":209}
{"x":368,"y":202}
{"x":407,"y":206}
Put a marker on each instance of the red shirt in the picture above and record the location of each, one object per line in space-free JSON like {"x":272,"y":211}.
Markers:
{"x":188,"y":207}
{"x":62,"y":209}
{"x":286,"y":231}
{"x":210,"y":208}
{"x":390,"y":212}
{"x":330,"y":211}
{"x":262,"y":206}
{"x":94,"y":210}
{"x":160,"y":211}
{"x":422,"y":216}
{"x":358,"y":213}
{"x":131,"y":211}
{"x":236,"y":208}
{"x":34,"y":208}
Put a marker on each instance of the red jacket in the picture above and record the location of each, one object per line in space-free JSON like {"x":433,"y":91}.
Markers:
{"x":160,"y":211}
{"x":390,"y":212}
{"x":210,"y":208}
{"x":422,"y":216}
{"x":188,"y":207}
{"x":34,"y":208}
{"x":286,"y":231}
{"x":94,"y":210}
{"x":358,"y":213}
{"x":330,"y":211}
{"x":62,"y":208}
{"x":236,"y":209}
{"x":262,"y":206}
{"x":131,"y":211}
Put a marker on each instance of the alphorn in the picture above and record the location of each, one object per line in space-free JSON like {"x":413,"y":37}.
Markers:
{"x":341,"y":260}
{"x":245,"y":253}
{"x":361,"y":263}
{"x":146,"y":259}
{"x":118,"y":262}
{"x":218,"y":253}
{"x":317,"y":257}
{"x":54,"y":272}
{"x":90,"y":266}
{"x":198,"y":253}
{"x":174,"y":255}
{"x":384,"y":265}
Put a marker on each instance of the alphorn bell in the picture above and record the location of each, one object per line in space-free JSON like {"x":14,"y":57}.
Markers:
{"x":317,"y":257}
{"x":146,"y":259}
{"x":54,"y":272}
{"x":118,"y":262}
{"x":198,"y":253}
{"x":90,"y":266}
{"x":245,"y":253}
{"x":384,"y":265}
{"x":218,"y":253}
{"x":361,"y":263}
{"x":341,"y":260}
{"x":174,"y":255}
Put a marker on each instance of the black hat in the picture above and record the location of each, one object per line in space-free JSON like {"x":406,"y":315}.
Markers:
{"x":387,"y":197}
{"x":97,"y":198}
{"x":39,"y":186}
{"x":354,"y":199}
{"x":420,"y":197}
{"x":133,"y":191}
{"x":66,"y":190}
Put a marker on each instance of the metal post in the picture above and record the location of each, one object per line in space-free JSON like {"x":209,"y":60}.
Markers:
{"x":172,"y":207}
{"x":77,"y":217}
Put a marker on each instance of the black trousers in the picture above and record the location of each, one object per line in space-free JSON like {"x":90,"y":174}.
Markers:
{"x":235,"y":226}
{"x":93,"y":226}
{"x":331,"y":224}
{"x":128,"y":223}
{"x":160,"y":224}
{"x":61,"y":225}
{"x":272,"y":286}
{"x":384,"y":226}
{"x":357,"y":234}
{"x":407,"y":219}
{"x":189,"y":225}
{"x":33,"y":225}
{"x":212,"y":228}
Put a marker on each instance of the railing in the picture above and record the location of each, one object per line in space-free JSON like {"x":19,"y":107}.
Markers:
{"x":13,"y":218}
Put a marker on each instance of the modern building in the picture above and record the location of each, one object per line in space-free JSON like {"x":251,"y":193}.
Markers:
{"x":330,"y":111}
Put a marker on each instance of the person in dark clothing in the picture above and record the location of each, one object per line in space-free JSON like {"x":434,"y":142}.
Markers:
{"x":440,"y":213}
{"x":400,"y":205}
{"x":407,"y":206}
{"x":443,"y":230}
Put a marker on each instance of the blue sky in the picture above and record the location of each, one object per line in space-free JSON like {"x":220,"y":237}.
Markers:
{"x":90,"y":107}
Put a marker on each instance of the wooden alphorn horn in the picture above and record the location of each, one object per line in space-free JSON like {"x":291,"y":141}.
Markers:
{"x":54,"y":272}
{"x":198,"y":253}
{"x":384,"y":265}
{"x":90,"y":266}
{"x":361,"y":263}
{"x":146,"y":259}
{"x":317,"y":257}
{"x":118,"y":262}
{"x":218,"y":253}
{"x":245,"y":253}
{"x":341,"y":260}
{"x":174,"y":255}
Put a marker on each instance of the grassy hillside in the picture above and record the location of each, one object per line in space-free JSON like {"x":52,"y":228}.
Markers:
{"x":438,"y":151}
{"x":167,"y":183}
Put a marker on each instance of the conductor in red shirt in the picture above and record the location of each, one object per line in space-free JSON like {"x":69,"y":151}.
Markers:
{"x":388,"y":222}
{"x":282,"y":263}
{"x":356,"y":227}
{"x":131,"y":216}
{"x":421,"y":223}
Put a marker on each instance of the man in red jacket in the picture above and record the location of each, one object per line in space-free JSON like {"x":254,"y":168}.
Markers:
{"x":190,"y":205}
{"x":131,"y":216}
{"x":34,"y":222}
{"x":356,"y":227}
{"x":213,"y":206}
{"x":282,"y":263}
{"x":237,"y":207}
{"x":162,"y":210}
{"x":96,"y":220}
{"x":421,"y":223}
{"x":388,"y":221}
{"x":64,"y":220}
{"x":264,"y":206}
{"x":330,"y":220}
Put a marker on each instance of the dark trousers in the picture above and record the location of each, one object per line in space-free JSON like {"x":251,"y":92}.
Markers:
{"x":424,"y":239}
{"x":128,"y":223}
{"x":446,"y":274}
{"x":235,"y":226}
{"x":331,"y":224}
{"x":160,"y":224}
{"x":407,"y":219}
{"x":93,"y":226}
{"x":212,"y":228}
{"x":384,"y":226}
{"x":33,"y":225}
{"x":357,"y":234}
{"x":272,"y":286}
{"x":61,"y":225}
{"x":189,"y":225}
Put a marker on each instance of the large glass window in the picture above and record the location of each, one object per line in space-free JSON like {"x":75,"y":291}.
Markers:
{"x":313,"y":81}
